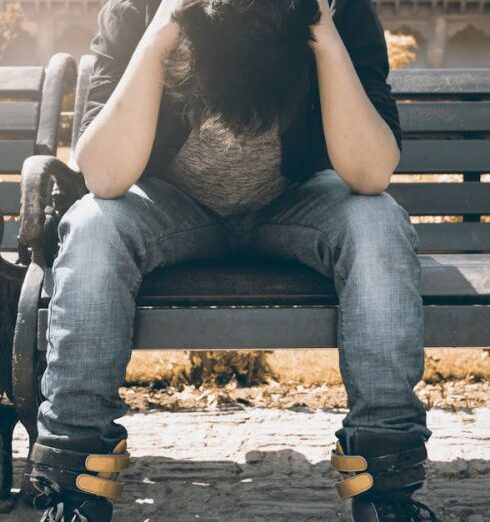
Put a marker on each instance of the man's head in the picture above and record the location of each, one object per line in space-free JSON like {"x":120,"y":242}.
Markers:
{"x":242,"y":61}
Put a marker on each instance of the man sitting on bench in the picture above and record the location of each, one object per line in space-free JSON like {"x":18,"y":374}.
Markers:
{"x":205,"y":135}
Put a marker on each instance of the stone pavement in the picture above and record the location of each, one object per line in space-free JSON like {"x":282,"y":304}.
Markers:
{"x":273,"y":465}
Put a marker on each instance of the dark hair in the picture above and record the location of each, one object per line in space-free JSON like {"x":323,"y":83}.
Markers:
{"x":244,"y":62}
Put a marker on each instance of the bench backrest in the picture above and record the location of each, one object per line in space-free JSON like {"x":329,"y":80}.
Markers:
{"x":30,"y":107}
{"x":20,"y":100}
{"x":445,"y":115}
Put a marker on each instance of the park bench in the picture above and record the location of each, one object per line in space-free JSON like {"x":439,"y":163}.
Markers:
{"x":30,"y":106}
{"x":264,"y":303}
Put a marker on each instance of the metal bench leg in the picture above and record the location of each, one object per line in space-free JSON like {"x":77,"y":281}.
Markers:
{"x":26,"y":365}
{"x":11,"y":277}
{"x":8,"y":420}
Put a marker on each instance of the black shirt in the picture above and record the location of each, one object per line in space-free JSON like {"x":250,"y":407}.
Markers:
{"x":121,"y":24}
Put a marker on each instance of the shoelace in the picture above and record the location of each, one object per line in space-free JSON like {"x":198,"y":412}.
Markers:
{"x":410,"y":508}
{"x":50,"y":499}
{"x":419,"y":507}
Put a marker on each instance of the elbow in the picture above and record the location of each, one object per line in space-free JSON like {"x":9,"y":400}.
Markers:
{"x":104,"y":190}
{"x":99,"y":180}
{"x":372,"y":189}
{"x":372,"y":183}
{"x":377,"y":179}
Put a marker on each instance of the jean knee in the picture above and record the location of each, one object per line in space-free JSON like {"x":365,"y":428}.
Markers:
{"x":377,"y":219}
{"x":93,"y":219}
{"x":400,"y":219}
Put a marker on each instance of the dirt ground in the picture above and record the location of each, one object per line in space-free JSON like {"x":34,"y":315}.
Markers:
{"x":261,"y":453}
{"x":298,"y":379}
{"x":239,"y":463}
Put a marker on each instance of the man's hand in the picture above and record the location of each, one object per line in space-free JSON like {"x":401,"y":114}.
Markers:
{"x":163,"y":32}
{"x":323,"y":30}
{"x":361,"y":146}
{"x":114,"y":149}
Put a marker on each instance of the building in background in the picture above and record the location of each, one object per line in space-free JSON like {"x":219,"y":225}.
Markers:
{"x":449,"y":33}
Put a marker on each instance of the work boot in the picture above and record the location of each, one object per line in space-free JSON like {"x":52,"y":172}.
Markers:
{"x":382,"y":471}
{"x":76,"y":486}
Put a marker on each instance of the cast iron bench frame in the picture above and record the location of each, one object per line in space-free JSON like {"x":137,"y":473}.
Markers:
{"x":30,"y":108}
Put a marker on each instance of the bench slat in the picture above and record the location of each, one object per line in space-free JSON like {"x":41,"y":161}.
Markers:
{"x":286,"y":327}
{"x":10,"y":197}
{"x":21,"y":82}
{"x":13,"y":153}
{"x":444,"y":117}
{"x":440,"y":82}
{"x":10,"y":232}
{"x":19,"y":116}
{"x":442,"y":198}
{"x":454,"y":237}
{"x":444,"y":156}
{"x":218,"y":282}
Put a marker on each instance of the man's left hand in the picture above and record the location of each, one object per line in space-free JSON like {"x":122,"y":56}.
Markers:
{"x":324,"y":28}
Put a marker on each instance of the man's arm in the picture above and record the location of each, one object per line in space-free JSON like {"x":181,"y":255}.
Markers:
{"x":360,"y":119}
{"x":117,"y":133}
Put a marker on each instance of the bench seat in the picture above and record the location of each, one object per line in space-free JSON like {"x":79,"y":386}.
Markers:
{"x":180,"y":306}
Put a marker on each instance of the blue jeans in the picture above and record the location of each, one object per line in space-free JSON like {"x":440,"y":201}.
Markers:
{"x":367,"y":244}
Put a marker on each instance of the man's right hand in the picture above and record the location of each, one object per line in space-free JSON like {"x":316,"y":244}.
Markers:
{"x":162,"y":32}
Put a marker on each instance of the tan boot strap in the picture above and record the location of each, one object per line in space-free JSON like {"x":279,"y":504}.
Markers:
{"x":353,"y":486}
{"x":107,"y":463}
{"x":99,"y":486}
{"x":348,"y":463}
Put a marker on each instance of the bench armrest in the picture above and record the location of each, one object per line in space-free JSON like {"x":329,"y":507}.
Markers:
{"x":48,"y":188}
{"x":60,"y":79}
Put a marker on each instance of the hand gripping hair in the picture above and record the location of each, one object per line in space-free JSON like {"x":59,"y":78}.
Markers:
{"x":244,"y":62}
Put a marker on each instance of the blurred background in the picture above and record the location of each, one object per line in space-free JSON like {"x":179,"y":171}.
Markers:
{"x":444,"y":33}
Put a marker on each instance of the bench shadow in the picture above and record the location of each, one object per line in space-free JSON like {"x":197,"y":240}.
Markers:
{"x":270,"y":486}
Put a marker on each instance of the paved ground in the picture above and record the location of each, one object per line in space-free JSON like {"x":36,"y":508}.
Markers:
{"x":272,"y":465}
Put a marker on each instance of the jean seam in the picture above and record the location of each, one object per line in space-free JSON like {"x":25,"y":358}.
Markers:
{"x":50,"y":316}
{"x":50,"y":306}
{"x":329,"y":243}
{"x":144,"y":255}
{"x":347,"y":377}
{"x":178,"y":232}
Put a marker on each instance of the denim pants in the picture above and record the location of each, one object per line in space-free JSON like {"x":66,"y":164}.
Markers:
{"x":367,"y":244}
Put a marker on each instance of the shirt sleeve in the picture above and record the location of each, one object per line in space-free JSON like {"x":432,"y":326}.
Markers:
{"x":121,"y":23}
{"x":362,"y":33}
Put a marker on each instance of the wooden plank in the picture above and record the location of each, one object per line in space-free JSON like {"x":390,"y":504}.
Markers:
{"x":221,"y":328}
{"x":442,"y":198}
{"x":19,"y":117}
{"x":10,"y":197}
{"x":222,"y":282}
{"x":21,"y":82}
{"x":454,"y":237}
{"x":457,"y":326}
{"x":445,"y":116}
{"x":456,"y":276}
{"x":243,"y":281}
{"x":444,"y":156}
{"x":282,"y":327}
{"x":13,"y":153}
{"x":10,"y":232}
{"x":437,"y":82}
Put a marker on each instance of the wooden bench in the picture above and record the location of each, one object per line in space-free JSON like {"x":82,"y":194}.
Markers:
{"x":30,"y":106}
{"x":253,"y":303}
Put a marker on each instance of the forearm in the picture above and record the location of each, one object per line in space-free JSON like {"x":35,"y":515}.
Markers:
{"x":114,"y":149}
{"x":361,"y":145}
